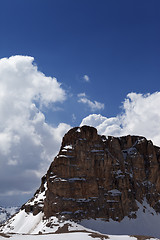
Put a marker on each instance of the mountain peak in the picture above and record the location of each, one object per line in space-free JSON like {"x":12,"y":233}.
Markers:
{"x":94,"y":176}
{"x":99,"y":177}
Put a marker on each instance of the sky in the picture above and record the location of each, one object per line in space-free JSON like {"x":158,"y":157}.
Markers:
{"x":69,"y":63}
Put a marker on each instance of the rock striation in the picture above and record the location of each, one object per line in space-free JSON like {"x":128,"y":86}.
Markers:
{"x":97,"y":177}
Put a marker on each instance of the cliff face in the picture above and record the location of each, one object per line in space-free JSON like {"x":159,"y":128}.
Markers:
{"x":98,"y":177}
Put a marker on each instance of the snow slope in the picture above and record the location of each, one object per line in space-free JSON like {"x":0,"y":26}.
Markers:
{"x":146,"y":223}
{"x":27,"y":223}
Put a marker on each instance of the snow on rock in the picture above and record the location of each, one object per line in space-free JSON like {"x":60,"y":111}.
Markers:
{"x":39,"y":197}
{"x":27,"y":223}
{"x":68,"y":147}
{"x":36,"y":204}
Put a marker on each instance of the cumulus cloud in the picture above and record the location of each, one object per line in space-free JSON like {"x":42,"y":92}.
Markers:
{"x":105,"y":126}
{"x":94,"y":106}
{"x":27,"y":142}
{"x":86,"y":78}
{"x":140,"y":116}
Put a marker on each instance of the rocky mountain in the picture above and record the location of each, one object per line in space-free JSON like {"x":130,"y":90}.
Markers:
{"x":98,"y":177}
{"x":96,"y":182}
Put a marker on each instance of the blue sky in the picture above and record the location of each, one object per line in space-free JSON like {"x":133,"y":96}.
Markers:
{"x":115,"y":43}
{"x":105,"y":58}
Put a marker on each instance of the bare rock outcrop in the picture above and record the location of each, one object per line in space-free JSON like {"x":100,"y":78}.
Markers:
{"x":97,"y":177}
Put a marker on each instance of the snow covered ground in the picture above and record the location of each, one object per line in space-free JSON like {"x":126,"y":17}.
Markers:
{"x":27,"y":223}
{"x":29,"y":227}
{"x":146,"y":223}
{"x":73,"y":236}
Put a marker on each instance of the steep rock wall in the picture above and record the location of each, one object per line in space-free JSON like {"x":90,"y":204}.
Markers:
{"x":94,"y":176}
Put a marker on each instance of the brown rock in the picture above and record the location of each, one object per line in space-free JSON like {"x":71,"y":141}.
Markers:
{"x":97,"y":177}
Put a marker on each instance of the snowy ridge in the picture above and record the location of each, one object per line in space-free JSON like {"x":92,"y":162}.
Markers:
{"x":38,"y":197}
{"x":7,"y":212}
{"x":35,"y":205}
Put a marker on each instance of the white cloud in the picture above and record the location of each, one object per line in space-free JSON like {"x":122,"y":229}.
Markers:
{"x":27,"y":142}
{"x":94,"y":106}
{"x":105,"y":126}
{"x":86,"y":78}
{"x":140,"y":116}
{"x":81,"y":95}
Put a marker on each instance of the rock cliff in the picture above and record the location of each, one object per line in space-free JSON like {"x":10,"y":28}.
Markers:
{"x":97,"y":177}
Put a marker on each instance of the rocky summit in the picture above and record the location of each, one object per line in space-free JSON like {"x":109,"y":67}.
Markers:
{"x":95,"y":176}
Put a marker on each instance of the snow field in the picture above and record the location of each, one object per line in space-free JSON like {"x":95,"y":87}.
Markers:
{"x":70,"y":236}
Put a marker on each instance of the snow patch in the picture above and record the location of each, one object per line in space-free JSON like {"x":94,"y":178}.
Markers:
{"x":68,"y":147}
